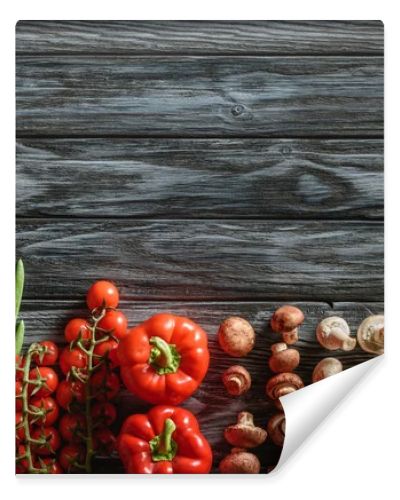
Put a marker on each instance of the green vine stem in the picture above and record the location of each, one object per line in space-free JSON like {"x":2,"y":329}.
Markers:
{"x":88,"y":349}
{"x":28,"y":441}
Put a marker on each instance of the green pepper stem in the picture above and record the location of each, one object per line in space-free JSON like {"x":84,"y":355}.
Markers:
{"x":165,"y":443}
{"x":163,"y":447}
{"x":163,"y":357}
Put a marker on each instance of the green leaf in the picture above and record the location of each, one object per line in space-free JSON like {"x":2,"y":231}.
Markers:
{"x":19,"y":286}
{"x":19,"y":336}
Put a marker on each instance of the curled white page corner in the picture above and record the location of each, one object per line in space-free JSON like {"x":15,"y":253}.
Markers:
{"x":307,"y":408}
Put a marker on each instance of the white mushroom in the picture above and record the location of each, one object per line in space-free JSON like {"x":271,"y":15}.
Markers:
{"x":326,"y":368}
{"x":370,"y":334}
{"x":334,"y":333}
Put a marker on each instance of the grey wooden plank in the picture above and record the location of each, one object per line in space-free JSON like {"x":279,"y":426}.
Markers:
{"x":200,"y":178}
{"x":215,"y":259}
{"x":199,"y":96}
{"x":194,"y":37}
{"x":212,"y":406}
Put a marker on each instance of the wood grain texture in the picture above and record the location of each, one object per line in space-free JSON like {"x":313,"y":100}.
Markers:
{"x":213,"y":407}
{"x":196,"y":37}
{"x":203,"y":178}
{"x":199,"y":96}
{"x":189,"y":259}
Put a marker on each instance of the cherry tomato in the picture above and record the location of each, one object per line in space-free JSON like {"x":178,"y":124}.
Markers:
{"x":75,"y":328}
{"x":49,"y":356}
{"x":49,"y":381}
{"x":114,"y":322}
{"x":105,"y":385}
{"x":52,"y":437}
{"x":72,"y":357}
{"x":21,"y":466}
{"x":102,"y":294}
{"x":72,"y":425}
{"x":104,"y":412}
{"x":19,"y":429}
{"x":71,"y":454}
{"x":18,"y":392}
{"x":104,"y":441}
{"x":51,"y":464}
{"x":69,"y":392}
{"x":50,"y":408}
{"x":103,"y":350}
{"x":19,"y":366}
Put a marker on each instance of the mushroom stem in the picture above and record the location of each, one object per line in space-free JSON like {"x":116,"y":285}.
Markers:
{"x":237,"y":380}
{"x":347,"y":343}
{"x":234,"y":384}
{"x":245,"y":418}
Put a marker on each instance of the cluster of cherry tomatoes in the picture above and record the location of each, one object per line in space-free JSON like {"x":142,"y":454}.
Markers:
{"x":75,"y":412}
{"x":42,"y":408}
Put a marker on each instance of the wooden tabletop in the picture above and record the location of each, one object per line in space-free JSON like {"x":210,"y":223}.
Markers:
{"x":209,"y":169}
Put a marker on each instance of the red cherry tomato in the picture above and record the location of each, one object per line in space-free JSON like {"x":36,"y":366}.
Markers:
{"x":105,"y":385}
{"x":115,"y":323}
{"x":19,"y":366}
{"x":52,"y":437}
{"x":71,"y":454}
{"x":69,"y":392}
{"x":104,"y":412}
{"x":19,"y":429}
{"x":49,"y":381}
{"x":18,"y":392}
{"x":51,"y":464}
{"x":49,"y":356}
{"x":72,"y":357}
{"x":103,"y":350}
{"x":21,"y":466}
{"x":72,"y":426}
{"x":47,"y":405}
{"x":77,"y":327}
{"x":102,"y":294}
{"x":104,"y":441}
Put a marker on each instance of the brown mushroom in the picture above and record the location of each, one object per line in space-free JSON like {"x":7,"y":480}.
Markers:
{"x":286,"y":321}
{"x":240,"y":461}
{"x":276,"y":428}
{"x":282,"y":384}
{"x":370,"y":334}
{"x":326,"y":368}
{"x":334,"y":333}
{"x":291,"y":337}
{"x":244,"y":434}
{"x":283,"y":359}
{"x":236,"y":336}
{"x":237,"y":380}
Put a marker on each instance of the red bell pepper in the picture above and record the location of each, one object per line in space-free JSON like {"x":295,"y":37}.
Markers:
{"x":165,"y":441}
{"x":164,"y":359}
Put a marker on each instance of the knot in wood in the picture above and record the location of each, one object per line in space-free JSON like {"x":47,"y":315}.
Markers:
{"x":237,"y":110}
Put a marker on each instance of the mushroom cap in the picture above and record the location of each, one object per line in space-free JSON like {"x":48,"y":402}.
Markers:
{"x":334,"y":333}
{"x":326,"y":368}
{"x":244,"y":434}
{"x":240,"y":461}
{"x":236,"y":336}
{"x":370,"y":334}
{"x":276,"y":428}
{"x":237,"y":380}
{"x":286,"y":318}
{"x":282,"y":384}
{"x":283,"y":359}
